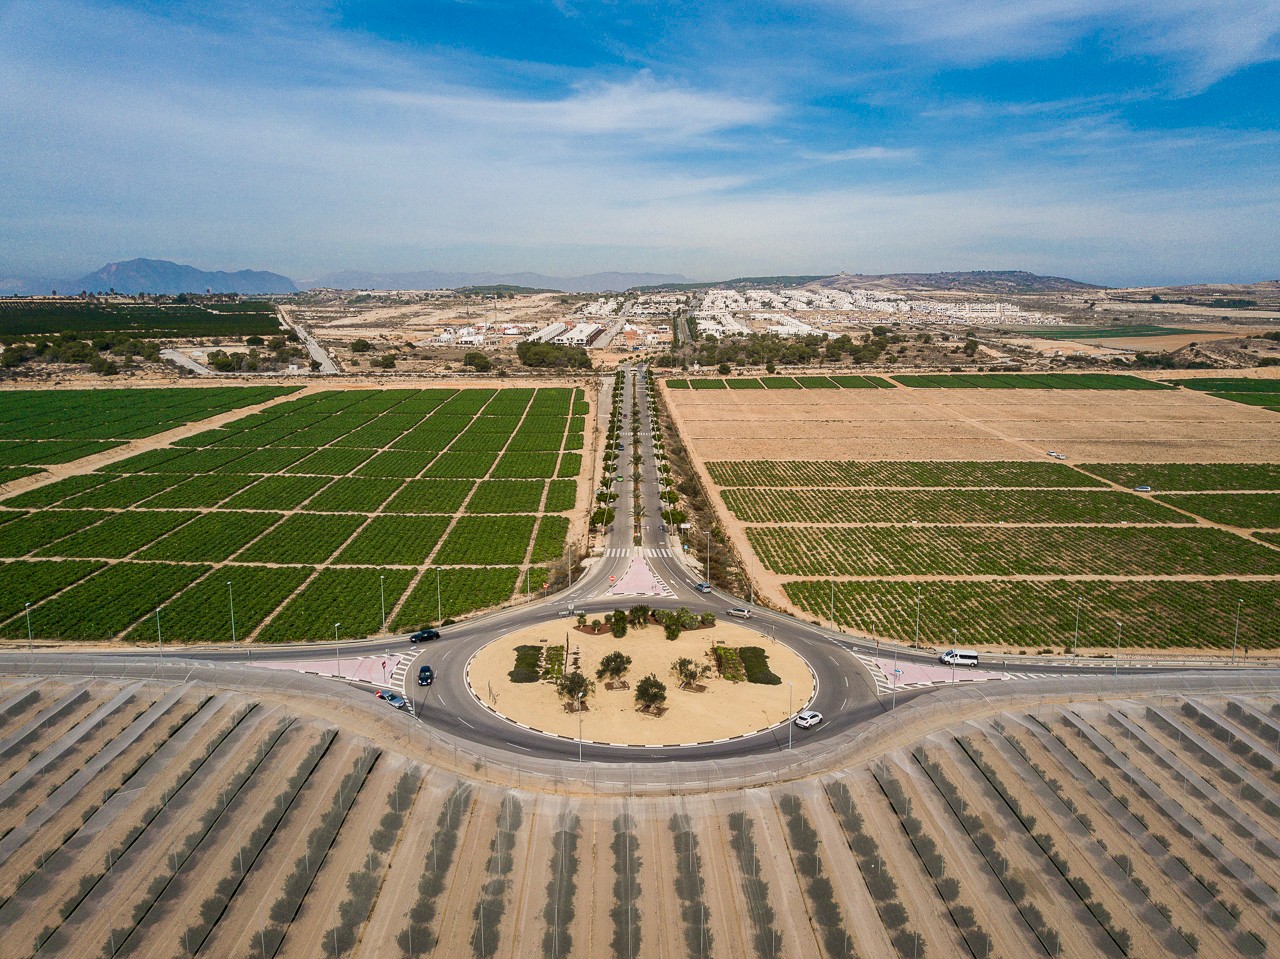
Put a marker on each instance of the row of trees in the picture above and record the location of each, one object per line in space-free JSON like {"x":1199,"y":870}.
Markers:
{"x":673,"y":621}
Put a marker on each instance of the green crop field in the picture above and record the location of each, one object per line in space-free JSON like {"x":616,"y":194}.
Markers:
{"x":937,"y":506}
{"x":306,"y":507}
{"x":969,"y":532}
{"x":1190,"y":477}
{"x":1155,"y":615}
{"x":995,"y":551}
{"x":894,"y":474}
{"x":1122,"y":331}
{"x":143,"y":321}
{"x":55,"y":423}
{"x":1245,"y":510}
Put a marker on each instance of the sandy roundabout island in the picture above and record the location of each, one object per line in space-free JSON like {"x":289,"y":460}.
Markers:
{"x":726,"y":709}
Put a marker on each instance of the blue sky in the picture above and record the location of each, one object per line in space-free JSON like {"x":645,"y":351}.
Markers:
{"x":1122,"y":142}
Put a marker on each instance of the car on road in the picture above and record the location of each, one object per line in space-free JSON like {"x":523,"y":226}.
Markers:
{"x":426,"y":676}
{"x":392,"y":699}
{"x":738,"y":612}
{"x":958,"y":657}
{"x":1142,"y":489}
{"x":703,"y":587}
{"x":424,"y":636}
{"x":808,"y":718}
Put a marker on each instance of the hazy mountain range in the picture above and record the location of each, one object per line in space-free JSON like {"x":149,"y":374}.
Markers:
{"x":164,"y":276}
{"x":154,"y":276}
{"x":440,"y":279}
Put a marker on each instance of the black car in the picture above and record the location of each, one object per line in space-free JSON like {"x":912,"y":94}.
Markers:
{"x":424,"y":636}
{"x":425,"y":676}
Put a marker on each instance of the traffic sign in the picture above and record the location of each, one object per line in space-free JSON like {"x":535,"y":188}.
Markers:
{"x":613,"y":579}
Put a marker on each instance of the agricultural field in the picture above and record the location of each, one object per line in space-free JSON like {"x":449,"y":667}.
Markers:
{"x":1002,"y":553}
{"x":314,"y":510}
{"x":26,"y":318}
{"x":180,"y":822}
{"x":1252,"y":392}
{"x":48,"y":427}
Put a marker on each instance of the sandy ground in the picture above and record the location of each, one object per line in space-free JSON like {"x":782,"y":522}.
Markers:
{"x":725,"y":709}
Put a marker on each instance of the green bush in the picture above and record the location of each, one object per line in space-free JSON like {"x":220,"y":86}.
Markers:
{"x":528,"y":660}
{"x":756,"y":663}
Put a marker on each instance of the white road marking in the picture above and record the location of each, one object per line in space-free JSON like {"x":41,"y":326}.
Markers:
{"x":518,"y":746}
{"x":465,"y":723}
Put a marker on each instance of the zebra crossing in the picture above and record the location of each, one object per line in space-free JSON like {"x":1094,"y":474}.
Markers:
{"x":617,"y":551}
{"x":881,"y":671}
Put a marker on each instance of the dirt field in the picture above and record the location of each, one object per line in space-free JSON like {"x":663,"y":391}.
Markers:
{"x":724,"y":709}
{"x":222,"y":825}
{"x":939,"y":424}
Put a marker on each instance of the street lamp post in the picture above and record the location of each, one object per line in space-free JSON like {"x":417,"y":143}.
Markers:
{"x":382,"y":596}
{"x":708,"y":556}
{"x":917,"y":616}
{"x":894,"y":703}
{"x":159,"y":638}
{"x":439,"y":617}
{"x":1236,"y":637}
{"x":955,"y":641}
{"x":231,"y":602}
{"x":30,"y":636}
{"x":580,"y":695}
{"x":1119,"y":630}
{"x":790,"y":721}
{"x":1075,"y":641}
{"x":337,"y":653}
{"x":833,"y":601}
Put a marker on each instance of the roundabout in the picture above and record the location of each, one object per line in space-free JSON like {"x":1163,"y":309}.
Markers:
{"x":714,"y":709}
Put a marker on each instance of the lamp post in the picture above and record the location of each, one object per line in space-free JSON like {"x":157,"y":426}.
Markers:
{"x":439,"y":617}
{"x":1075,"y":642}
{"x":159,"y":638}
{"x":337,"y":653}
{"x":580,"y":695}
{"x":231,"y":602}
{"x":832,"y":610}
{"x":917,"y":616}
{"x":382,"y":596}
{"x":708,"y":556}
{"x":790,"y":721}
{"x":894,"y":703}
{"x":30,"y":637}
{"x":1119,"y":630}
{"x":955,"y":641}
{"x":1236,"y":637}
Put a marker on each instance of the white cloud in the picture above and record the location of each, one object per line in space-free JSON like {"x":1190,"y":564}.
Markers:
{"x":1205,"y":40}
{"x":637,"y":107}
{"x":870,"y":154}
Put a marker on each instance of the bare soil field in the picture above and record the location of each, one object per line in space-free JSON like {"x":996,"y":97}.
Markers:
{"x":940,"y":424}
{"x":1140,"y":826}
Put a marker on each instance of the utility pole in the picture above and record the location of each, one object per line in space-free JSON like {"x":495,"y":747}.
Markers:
{"x":1235,"y":639}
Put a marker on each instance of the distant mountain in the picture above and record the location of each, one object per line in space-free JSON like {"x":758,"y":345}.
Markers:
{"x":1004,"y":282}
{"x":29,"y":285}
{"x":440,"y":279}
{"x":162,"y":276}
{"x":739,"y":283}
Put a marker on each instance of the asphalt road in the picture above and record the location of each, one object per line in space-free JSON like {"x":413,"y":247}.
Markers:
{"x":846,"y":693}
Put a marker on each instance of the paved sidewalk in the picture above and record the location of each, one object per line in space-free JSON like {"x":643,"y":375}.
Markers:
{"x":375,"y":670}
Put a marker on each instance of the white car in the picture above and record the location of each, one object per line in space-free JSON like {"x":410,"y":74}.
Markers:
{"x":738,"y":612}
{"x":808,"y":719}
{"x":1142,"y":489}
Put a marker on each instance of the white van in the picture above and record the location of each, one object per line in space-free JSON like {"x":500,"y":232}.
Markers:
{"x":958,"y":657}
